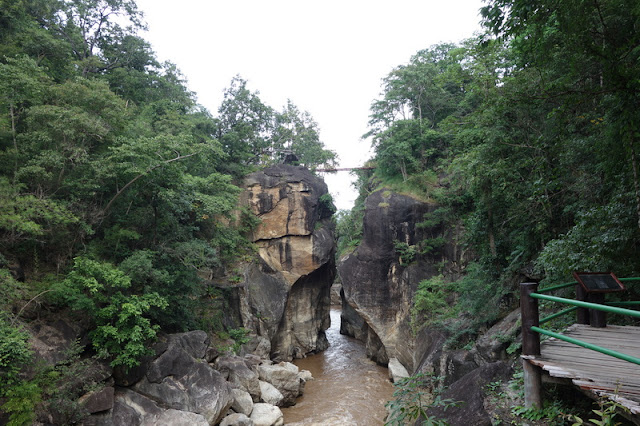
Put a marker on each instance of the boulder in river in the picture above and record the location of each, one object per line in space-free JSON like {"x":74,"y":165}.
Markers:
{"x":397,"y":370}
{"x":237,"y":419}
{"x":269,"y":394}
{"x":267,"y":415}
{"x":285,"y":376}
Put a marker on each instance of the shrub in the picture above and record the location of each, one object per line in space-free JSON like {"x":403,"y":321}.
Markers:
{"x":21,"y":397}
{"x":430,"y":305}
{"x":407,"y":253}
{"x":412,"y":397}
{"x":100,"y":290}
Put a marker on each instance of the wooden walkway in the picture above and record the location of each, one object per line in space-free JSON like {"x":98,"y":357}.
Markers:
{"x":595,"y":373}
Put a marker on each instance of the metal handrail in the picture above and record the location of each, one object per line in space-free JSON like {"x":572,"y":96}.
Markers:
{"x":587,"y":345}
{"x":557,"y":314}
{"x":629,"y":279}
{"x":588,"y":305}
{"x":625,"y":303}
{"x":557,"y":287}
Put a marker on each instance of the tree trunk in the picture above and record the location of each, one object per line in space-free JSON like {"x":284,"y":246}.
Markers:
{"x":15,"y":140}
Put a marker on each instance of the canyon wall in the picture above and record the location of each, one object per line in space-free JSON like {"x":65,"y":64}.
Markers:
{"x":379,"y":282}
{"x":379,"y":285}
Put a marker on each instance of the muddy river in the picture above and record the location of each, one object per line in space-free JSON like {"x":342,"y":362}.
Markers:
{"x":348,"y":388}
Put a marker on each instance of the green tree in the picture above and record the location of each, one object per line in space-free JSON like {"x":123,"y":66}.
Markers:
{"x":122,"y":329}
{"x":245,"y":126}
{"x":296,"y":132}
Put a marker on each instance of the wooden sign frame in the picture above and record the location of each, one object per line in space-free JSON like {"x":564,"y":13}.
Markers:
{"x":608,"y":283}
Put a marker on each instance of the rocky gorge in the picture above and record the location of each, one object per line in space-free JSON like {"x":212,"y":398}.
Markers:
{"x":282,"y":299}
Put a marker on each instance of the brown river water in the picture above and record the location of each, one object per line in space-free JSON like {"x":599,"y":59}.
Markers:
{"x":348,"y":388}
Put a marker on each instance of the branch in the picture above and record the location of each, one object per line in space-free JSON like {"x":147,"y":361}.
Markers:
{"x":27,"y":304}
{"x":131,"y":182}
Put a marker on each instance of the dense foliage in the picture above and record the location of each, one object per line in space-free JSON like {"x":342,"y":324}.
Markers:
{"x":527,"y":136}
{"x":118,"y":193}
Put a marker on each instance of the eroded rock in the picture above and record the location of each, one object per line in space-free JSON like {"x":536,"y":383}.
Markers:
{"x":379,"y":284}
{"x":242,"y":402}
{"x":284,"y":377}
{"x":267,"y":415}
{"x":284,"y":296}
{"x":239,"y":374}
{"x":236,"y":419}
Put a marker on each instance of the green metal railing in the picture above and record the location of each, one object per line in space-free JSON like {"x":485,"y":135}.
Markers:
{"x":588,"y":305}
{"x":557,"y":314}
{"x":611,"y":307}
{"x":557,"y":287}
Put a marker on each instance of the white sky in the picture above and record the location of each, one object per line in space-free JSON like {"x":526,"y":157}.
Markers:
{"x":328,"y":57}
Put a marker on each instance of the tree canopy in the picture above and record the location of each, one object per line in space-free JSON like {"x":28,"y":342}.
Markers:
{"x":118,"y":192}
{"x":526,"y":135}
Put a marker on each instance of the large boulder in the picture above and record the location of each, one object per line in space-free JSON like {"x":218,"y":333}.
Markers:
{"x":200,"y":389}
{"x":239,"y":374}
{"x":133,"y":409}
{"x":267,"y":415}
{"x":284,"y":295}
{"x":286,"y":378}
{"x":270,"y":394}
{"x":195,"y":343}
{"x":178,"y":380}
{"x":242,"y":402}
{"x":469,"y":394}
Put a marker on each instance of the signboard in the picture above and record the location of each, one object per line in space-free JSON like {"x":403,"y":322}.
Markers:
{"x":598,"y":282}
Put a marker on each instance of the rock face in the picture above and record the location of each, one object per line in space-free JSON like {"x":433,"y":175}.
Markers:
{"x":177,"y":387}
{"x":285,"y":296}
{"x":378,"y":285}
{"x":470,"y":392}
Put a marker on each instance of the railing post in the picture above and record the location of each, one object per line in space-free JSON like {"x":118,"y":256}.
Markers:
{"x":597,"y":318}
{"x":582,"y":313}
{"x":530,"y":346}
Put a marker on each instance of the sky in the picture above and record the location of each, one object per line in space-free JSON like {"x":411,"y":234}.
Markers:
{"x":328,"y":57}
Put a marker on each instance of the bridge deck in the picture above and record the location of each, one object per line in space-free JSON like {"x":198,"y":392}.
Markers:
{"x":598,"y":374}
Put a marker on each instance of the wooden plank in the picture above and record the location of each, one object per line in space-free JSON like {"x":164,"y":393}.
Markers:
{"x":598,"y":374}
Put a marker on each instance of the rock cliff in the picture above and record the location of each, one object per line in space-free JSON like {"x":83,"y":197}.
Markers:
{"x":379,"y":281}
{"x":285,"y":295}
